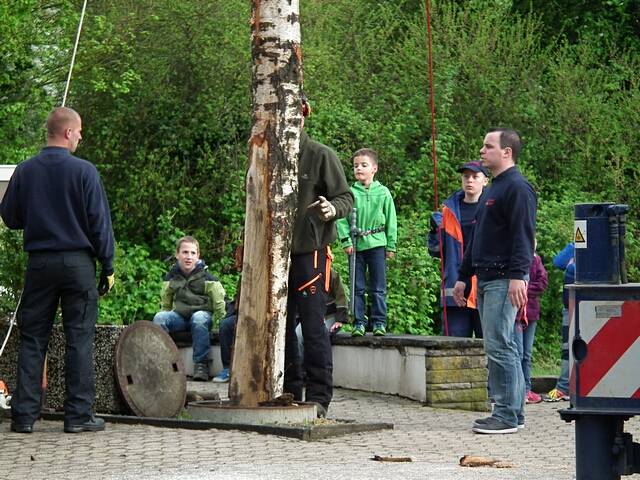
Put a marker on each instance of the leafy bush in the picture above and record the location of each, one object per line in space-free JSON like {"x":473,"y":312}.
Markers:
{"x":413,"y":280}
{"x":12,"y":264}
{"x":136,"y":292}
{"x":164,"y":91}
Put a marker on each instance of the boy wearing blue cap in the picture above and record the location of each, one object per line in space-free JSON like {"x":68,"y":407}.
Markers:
{"x":450,"y":231}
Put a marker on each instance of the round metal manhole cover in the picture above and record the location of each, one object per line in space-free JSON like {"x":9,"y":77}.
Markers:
{"x":149,"y":371}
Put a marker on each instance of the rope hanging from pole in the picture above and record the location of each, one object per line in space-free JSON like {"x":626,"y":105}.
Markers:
{"x":12,"y":322}
{"x":432,"y":103}
{"x":434,"y":157}
{"x":73,"y":56}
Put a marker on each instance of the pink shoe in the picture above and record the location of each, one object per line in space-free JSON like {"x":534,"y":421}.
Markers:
{"x":533,"y":397}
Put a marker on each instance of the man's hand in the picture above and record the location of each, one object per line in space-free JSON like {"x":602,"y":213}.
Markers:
{"x":517,"y":293}
{"x":458,"y":294}
{"x":335,"y":327}
{"x":107,"y":279}
{"x":389,"y":254}
{"x":348,"y":250}
{"x":341,"y":316}
{"x":324,"y":208}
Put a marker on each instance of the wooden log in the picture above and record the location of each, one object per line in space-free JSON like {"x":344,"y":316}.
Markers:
{"x":271,"y":186}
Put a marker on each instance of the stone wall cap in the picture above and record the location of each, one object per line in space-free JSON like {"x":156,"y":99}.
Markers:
{"x":431,"y":342}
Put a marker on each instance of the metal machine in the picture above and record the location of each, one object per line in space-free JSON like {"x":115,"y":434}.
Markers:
{"x":604,"y":339}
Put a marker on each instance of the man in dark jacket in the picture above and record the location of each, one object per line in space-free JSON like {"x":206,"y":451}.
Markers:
{"x":59,"y":202}
{"x":323,"y":196}
{"x":500,"y":255}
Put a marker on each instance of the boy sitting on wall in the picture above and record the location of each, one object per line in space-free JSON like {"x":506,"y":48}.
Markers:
{"x":190,"y":298}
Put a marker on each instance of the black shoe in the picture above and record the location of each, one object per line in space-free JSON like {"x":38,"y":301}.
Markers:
{"x":494,"y":426}
{"x":94,"y":424}
{"x":21,"y":428}
{"x":481,"y":421}
{"x":321,"y":411}
{"x":200,"y":372}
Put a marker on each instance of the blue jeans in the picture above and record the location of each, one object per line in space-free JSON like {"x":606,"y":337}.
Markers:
{"x":524,"y":341}
{"x":563,"y":380}
{"x":199,"y":325}
{"x":506,"y":382}
{"x":374,"y":261}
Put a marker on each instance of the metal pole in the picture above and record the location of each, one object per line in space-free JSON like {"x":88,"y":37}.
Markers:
{"x":595,"y":436}
{"x":353,"y":233}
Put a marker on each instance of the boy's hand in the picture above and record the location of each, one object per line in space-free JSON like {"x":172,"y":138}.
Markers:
{"x":390,"y":255}
{"x":458,"y":294}
{"x":323,"y":207}
{"x":348,"y":250}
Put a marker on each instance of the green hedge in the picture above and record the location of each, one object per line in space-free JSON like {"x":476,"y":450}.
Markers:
{"x":164,"y":91}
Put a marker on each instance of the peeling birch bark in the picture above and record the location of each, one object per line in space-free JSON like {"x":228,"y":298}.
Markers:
{"x":272,"y":186}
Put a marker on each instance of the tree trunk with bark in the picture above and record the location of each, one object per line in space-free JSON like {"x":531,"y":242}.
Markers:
{"x":271,"y":186}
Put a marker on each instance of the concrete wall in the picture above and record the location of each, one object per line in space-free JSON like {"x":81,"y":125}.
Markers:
{"x":399,"y":371}
{"x":108,"y":398}
{"x":439,"y":371}
{"x":215,"y":364}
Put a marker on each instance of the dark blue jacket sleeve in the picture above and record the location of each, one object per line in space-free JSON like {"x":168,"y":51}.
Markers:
{"x":465,"y":272}
{"x":433,"y":238}
{"x":10,"y":207}
{"x":522,"y":226}
{"x":99,"y":216}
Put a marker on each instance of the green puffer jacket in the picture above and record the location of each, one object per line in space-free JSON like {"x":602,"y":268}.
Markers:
{"x":319,"y":173}
{"x":198,"y":291}
{"x":376,"y":218}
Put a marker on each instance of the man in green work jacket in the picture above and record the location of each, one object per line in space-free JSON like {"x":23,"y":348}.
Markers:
{"x":323,"y":197}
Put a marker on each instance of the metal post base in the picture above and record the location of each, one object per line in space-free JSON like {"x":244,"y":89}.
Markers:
{"x":595,"y":458}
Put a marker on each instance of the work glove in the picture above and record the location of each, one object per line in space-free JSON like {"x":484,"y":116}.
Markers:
{"x":107,"y":279}
{"x":324,"y":208}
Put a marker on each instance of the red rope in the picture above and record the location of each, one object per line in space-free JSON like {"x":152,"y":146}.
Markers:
{"x":436,"y":201}
{"x":432,"y":101}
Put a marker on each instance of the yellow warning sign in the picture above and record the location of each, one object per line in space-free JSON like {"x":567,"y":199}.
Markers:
{"x":580,"y":234}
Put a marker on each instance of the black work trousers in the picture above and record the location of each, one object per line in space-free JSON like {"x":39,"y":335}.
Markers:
{"x":67,"y":279}
{"x":308,"y":284}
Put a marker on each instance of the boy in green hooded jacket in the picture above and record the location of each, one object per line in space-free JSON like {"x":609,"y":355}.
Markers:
{"x":375,"y":242}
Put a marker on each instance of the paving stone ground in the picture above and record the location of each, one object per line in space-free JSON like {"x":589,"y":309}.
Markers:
{"x":434,"y":438}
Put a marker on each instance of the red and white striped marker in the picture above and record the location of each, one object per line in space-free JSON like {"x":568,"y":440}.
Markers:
{"x":611,"y":330}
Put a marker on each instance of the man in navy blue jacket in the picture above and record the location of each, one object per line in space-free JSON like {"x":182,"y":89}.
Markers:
{"x":500,"y":255}
{"x":60,"y":203}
